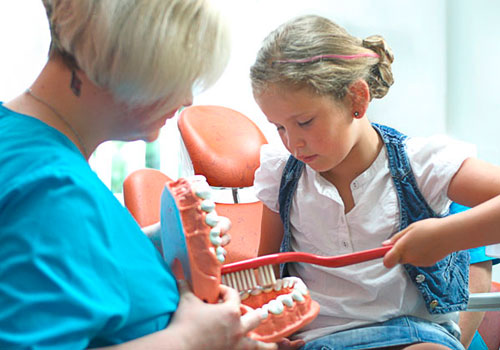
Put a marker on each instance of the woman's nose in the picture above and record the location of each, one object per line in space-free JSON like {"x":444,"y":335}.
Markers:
{"x":188,"y":101}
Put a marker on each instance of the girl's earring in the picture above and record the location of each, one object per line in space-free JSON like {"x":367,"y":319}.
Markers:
{"x":356,"y":114}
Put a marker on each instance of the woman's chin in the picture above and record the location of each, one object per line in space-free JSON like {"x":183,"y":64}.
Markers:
{"x":152,"y":136}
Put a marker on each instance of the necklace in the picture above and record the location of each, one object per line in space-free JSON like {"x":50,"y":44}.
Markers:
{"x":59,"y":115}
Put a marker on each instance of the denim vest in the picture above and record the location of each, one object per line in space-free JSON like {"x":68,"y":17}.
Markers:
{"x":444,"y":286}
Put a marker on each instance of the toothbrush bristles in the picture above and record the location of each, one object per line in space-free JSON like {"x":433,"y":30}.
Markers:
{"x":266,"y":276}
{"x":245,"y":280}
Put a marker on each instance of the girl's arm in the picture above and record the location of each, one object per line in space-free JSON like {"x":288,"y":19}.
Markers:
{"x":423,"y":243}
{"x":271,"y":233}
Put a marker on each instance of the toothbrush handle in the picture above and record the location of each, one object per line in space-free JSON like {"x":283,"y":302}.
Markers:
{"x":328,"y":261}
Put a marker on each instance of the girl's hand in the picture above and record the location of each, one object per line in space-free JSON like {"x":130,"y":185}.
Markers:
{"x":287,"y":344}
{"x":422,"y":243}
{"x":216,"y":326}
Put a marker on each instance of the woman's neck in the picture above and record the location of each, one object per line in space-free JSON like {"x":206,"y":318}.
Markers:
{"x":51,"y":100}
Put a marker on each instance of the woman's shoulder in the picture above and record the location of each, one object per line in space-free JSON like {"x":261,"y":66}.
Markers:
{"x":63,"y":169}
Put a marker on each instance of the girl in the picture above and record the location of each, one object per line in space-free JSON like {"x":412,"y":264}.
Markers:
{"x":76,"y":270}
{"x":348,"y":185}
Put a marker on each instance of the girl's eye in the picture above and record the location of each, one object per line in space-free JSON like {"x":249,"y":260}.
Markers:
{"x":279,"y":128}
{"x":307,"y":122}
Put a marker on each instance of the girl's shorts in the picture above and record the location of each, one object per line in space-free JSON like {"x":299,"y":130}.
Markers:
{"x":402,"y":330}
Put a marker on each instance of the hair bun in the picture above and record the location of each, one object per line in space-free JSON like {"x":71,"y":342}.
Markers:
{"x":377,"y":44}
{"x":382,"y":77}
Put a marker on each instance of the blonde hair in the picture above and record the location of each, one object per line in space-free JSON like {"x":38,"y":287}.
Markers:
{"x":144,"y":52}
{"x":284,"y":59}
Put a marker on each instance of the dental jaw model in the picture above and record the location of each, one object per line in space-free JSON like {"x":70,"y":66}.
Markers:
{"x":285,"y":306}
{"x":191,"y":239}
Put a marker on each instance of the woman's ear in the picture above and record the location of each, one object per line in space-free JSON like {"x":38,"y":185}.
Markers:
{"x":360,"y":97}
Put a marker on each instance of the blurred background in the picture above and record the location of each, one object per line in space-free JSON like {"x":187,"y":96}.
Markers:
{"x":446,"y":69}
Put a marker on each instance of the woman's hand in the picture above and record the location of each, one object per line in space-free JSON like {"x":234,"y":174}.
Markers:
{"x":197,"y":325}
{"x":216,"y":326}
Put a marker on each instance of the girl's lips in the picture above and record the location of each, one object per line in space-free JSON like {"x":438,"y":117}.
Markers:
{"x":308,"y":159}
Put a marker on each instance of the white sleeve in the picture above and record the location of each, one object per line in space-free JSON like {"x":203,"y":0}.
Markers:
{"x":434,"y":161}
{"x":268,"y":175}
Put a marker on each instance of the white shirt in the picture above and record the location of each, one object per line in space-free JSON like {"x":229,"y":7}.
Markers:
{"x":368,"y":292}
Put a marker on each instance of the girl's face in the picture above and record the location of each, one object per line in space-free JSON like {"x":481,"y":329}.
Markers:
{"x":317,"y":130}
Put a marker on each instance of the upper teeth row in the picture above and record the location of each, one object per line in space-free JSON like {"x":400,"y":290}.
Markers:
{"x":202,"y":190}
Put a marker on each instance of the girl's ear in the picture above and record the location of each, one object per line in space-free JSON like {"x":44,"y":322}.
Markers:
{"x":360,"y":97}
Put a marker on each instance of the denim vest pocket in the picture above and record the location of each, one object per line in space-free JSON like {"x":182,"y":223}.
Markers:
{"x":442,"y":285}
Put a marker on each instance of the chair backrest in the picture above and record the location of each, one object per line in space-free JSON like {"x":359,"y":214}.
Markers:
{"x":142,"y":191}
{"x":245,"y":230}
{"x":224,"y":146}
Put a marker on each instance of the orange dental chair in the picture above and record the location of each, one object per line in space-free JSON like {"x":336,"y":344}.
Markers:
{"x":224,"y":146}
{"x":141,"y":194}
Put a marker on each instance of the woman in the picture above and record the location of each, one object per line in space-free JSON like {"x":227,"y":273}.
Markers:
{"x":76,"y":270}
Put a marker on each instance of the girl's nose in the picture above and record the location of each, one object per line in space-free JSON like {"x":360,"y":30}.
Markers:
{"x":295,"y":142}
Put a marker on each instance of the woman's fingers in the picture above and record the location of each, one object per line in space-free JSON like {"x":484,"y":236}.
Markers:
{"x":226,"y":239}
{"x":183,"y":287}
{"x":229,"y":296}
{"x":250,"y":320}
{"x":251,"y":344}
{"x":287,"y":344}
{"x":224,"y":225}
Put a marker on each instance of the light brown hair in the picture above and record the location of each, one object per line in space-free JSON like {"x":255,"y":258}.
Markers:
{"x":309,"y":36}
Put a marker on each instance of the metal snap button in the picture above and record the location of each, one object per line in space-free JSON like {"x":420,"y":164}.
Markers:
{"x":419,"y":278}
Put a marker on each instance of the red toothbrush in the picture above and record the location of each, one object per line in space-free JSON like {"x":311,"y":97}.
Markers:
{"x":240,"y":275}
{"x":188,"y":241}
